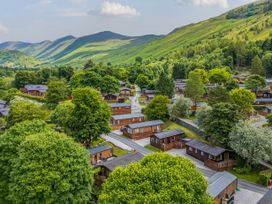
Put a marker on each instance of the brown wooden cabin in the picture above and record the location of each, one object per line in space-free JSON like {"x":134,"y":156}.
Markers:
{"x":149,"y":97}
{"x":143,"y":130}
{"x":168,"y":140}
{"x":111,"y":97}
{"x":120,"y":108}
{"x":267,"y":198}
{"x":222,"y":186}
{"x":213,"y":157}
{"x":125,"y":92}
{"x":263,"y":101}
{"x":146,"y":92}
{"x":35,"y":89}
{"x":107,"y":167}
{"x":100,"y":153}
{"x":120,"y":121}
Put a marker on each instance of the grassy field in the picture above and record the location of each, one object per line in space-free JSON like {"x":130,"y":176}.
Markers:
{"x":252,"y":177}
{"x":154,"y":149}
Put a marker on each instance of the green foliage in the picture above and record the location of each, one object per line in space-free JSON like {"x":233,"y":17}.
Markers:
{"x":50,"y":168}
{"x":267,"y":64}
{"x":181,"y":108}
{"x":142,"y":81}
{"x":157,"y":109}
{"x":23,"y":78}
{"x":178,"y":182}
{"x":202,"y":114}
{"x":194,"y":86}
{"x":217,"y":95}
{"x":269,"y":119}
{"x":62,"y":114}
{"x":65,"y":72}
{"x":265,"y":176}
{"x":219,"y":76}
{"x":90,"y":117}
{"x":244,"y":99}
{"x":57,"y":91}
{"x":203,"y":75}
{"x":110,"y":85}
{"x":257,"y":66}
{"x":255,"y":83}
{"x":165,"y":85}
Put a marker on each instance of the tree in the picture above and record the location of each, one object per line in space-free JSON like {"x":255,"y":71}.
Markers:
{"x":50,"y":168}
{"x":90,"y":117}
{"x":66,"y":72}
{"x":219,"y":76}
{"x":23,"y":78}
{"x":181,"y":108}
{"x":3,"y":123}
{"x":9,"y":144}
{"x":57,"y":91}
{"x":244,"y":99}
{"x":157,"y":178}
{"x":21,"y":110}
{"x":165,"y":85}
{"x":255,"y":83}
{"x":142,"y":81}
{"x":220,"y":122}
{"x":43,"y":75}
{"x":251,"y":143}
{"x":203,"y":74}
{"x":267,"y":64}
{"x":110,"y":85}
{"x":194,"y":87}
{"x":232,"y":84}
{"x":202,"y":114}
{"x":179,"y":71}
{"x":89,"y":64}
{"x":157,"y":108}
{"x":217,"y":95}
{"x":257,"y":66}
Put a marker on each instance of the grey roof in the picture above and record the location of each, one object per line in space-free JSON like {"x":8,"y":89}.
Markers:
{"x":145,"y":124}
{"x":212,"y":150}
{"x":116,"y":105}
{"x":264,"y":100}
{"x":99,"y":149}
{"x":127,"y":116}
{"x":125,"y":88}
{"x":3,"y":102}
{"x":170,"y":133}
{"x":150,"y":95}
{"x":149,"y":91}
{"x":123,"y":82}
{"x":266,"y":199}
{"x":122,"y":160}
{"x":36,"y":87}
{"x":4,"y":111}
{"x":219,"y":182}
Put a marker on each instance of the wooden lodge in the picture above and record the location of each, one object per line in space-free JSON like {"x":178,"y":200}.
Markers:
{"x":146,"y":92}
{"x":267,"y":198}
{"x":100,"y":153}
{"x":263,"y":101}
{"x":213,"y":157}
{"x":35,"y":89}
{"x":143,"y":130}
{"x":120,"y":108}
{"x":222,"y":187}
{"x":107,"y":167}
{"x":125,"y":92}
{"x":168,"y":140}
{"x":111,"y":97}
{"x":120,"y":121}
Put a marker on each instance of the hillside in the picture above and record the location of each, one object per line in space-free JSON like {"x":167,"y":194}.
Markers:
{"x":17,"y":59}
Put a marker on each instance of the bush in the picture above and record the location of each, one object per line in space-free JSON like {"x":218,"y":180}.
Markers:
{"x":265,"y":176}
{"x":243,"y":170}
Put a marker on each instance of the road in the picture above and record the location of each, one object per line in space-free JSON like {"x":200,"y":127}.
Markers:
{"x":206,"y":172}
{"x":135,"y":105}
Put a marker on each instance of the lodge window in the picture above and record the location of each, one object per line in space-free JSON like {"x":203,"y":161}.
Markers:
{"x":190,"y":149}
{"x":141,"y":130}
{"x":195,"y":150}
{"x":202,"y":153}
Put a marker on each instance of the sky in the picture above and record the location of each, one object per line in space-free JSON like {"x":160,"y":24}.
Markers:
{"x":39,"y":20}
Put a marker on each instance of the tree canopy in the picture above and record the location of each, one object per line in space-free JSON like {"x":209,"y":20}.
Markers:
{"x":255,"y":83}
{"x":57,"y":91}
{"x":165,"y":85}
{"x":181,"y":108}
{"x":219,"y":76}
{"x":195,"y":88}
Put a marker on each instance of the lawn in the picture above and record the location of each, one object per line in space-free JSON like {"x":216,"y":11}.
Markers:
{"x":251,"y":177}
{"x":170,"y":125}
{"x":116,"y":150}
{"x":154,"y":149}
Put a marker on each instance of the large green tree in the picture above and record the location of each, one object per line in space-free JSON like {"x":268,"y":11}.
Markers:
{"x":255,"y":83}
{"x":90,"y":117}
{"x":195,"y":88}
{"x":110,"y":85}
{"x":217,"y":95}
{"x":219,"y":76}
{"x":158,"y":178}
{"x":267,"y":64}
{"x":23,"y":78}
{"x":142,"y":81}
{"x":165,"y":85}
{"x":157,"y":109}
{"x":257,"y":66}
{"x":57,"y":91}
{"x":181,"y":108}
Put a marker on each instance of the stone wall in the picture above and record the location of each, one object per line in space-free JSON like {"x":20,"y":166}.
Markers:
{"x":191,"y":126}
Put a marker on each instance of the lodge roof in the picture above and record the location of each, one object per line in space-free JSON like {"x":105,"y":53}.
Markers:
{"x":145,"y":124}
{"x":117,"y":105}
{"x":125,"y":88}
{"x":36,"y":87}
{"x":99,"y":149}
{"x":127,"y":116}
{"x":149,"y":91}
{"x":3,"y":102}
{"x":171,"y":133}
{"x":219,"y":182}
{"x":212,"y":150}
{"x":264,"y":100}
{"x":266,"y":199}
{"x":122,"y":160}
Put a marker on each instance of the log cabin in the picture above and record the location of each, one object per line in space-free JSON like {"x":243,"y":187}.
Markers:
{"x":146,"y":92}
{"x":143,"y":130}
{"x":125,"y":92}
{"x":267,"y":198}
{"x":222,"y":186}
{"x":120,"y":108}
{"x":111,"y":97}
{"x":263,"y":101}
{"x":168,"y":140}
{"x":107,"y":167}
{"x":214,"y":157}
{"x":120,"y":121}
{"x":100,"y":153}
{"x":35,"y":89}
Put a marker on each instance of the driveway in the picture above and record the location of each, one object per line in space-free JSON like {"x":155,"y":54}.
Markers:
{"x":143,"y":142}
{"x":135,"y":105}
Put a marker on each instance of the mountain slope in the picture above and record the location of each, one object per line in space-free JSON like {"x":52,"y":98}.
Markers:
{"x":17,"y":59}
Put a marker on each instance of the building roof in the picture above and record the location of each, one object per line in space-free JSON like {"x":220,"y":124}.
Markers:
{"x":145,"y":124}
{"x":36,"y":87}
{"x":123,"y":83}
{"x":125,"y":89}
{"x":116,"y":105}
{"x":212,"y":150}
{"x":127,"y":116}
{"x":219,"y":182}
{"x":264,"y":100}
{"x":149,"y":91}
{"x":3,"y":102}
{"x":122,"y":160}
{"x":170,"y":133}
{"x":267,"y":198}
{"x":99,"y":149}
{"x":4,"y":111}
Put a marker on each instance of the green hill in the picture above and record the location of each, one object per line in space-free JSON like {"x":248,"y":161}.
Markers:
{"x":17,"y":59}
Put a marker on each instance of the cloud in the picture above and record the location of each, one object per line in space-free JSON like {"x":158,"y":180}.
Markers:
{"x":221,"y":3}
{"x":78,"y":1}
{"x":72,"y":13}
{"x":45,"y":2}
{"x":3,"y":29}
{"x":117,"y":9}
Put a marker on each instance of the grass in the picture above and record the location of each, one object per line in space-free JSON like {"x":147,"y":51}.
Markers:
{"x":154,"y":149}
{"x":170,"y":125}
{"x":252,"y":177}
{"x":116,"y":150}
{"x":140,"y":100}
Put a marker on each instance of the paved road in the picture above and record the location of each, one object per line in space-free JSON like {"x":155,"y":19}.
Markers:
{"x":207,"y":173}
{"x":136,"y":107}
